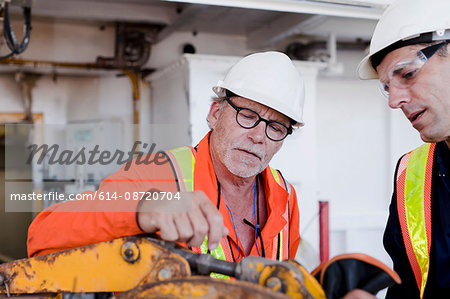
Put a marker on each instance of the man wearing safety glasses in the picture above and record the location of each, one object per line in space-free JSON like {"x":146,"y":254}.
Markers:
{"x":239,"y":205}
{"x":409,"y":55}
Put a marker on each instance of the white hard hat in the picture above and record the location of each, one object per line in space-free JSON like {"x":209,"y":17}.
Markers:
{"x":269,"y":78}
{"x":406,"y":22}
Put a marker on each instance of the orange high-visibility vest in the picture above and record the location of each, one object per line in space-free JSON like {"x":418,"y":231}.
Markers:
{"x":121,"y":221}
{"x":183,"y":164}
{"x":413,"y":182}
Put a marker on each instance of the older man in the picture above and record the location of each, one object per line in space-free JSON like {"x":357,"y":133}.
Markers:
{"x":241,"y":205}
{"x":409,"y":55}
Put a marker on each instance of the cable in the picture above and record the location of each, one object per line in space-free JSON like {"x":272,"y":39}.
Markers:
{"x":254,"y":214}
{"x":232,"y":220}
{"x":235,"y":231}
{"x":9,"y":35}
{"x":263,"y":253}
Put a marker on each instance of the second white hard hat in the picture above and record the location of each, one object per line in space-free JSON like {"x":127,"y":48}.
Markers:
{"x":269,"y":78}
{"x":406,"y":22}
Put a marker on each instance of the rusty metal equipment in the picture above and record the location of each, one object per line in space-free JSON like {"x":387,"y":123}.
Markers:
{"x":202,"y":287}
{"x":143,"y":267}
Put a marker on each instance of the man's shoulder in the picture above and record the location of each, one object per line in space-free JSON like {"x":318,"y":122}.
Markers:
{"x":424,"y":148}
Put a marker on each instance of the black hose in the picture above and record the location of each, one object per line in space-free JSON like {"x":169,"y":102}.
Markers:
{"x":9,"y":35}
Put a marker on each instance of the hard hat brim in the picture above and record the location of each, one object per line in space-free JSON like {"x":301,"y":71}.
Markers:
{"x":220,"y":91}
{"x":365,"y":69}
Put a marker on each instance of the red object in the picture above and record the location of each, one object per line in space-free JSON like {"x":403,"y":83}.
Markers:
{"x":324,"y":231}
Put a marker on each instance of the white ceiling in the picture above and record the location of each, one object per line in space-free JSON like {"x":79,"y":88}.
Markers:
{"x":263,"y":21}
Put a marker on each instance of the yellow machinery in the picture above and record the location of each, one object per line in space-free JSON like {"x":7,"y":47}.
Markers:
{"x":144,"y":267}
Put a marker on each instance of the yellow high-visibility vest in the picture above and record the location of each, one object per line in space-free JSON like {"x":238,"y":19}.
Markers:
{"x":413,"y":184}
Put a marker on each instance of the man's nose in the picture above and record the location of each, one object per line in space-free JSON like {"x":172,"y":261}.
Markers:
{"x":398,"y":97}
{"x":258,"y":133}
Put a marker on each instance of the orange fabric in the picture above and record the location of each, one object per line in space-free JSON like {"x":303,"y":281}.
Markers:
{"x":427,"y":195}
{"x":276,"y":198}
{"x":77,"y":223}
{"x":285,"y":243}
{"x":52,"y":231}
{"x":401,"y":177}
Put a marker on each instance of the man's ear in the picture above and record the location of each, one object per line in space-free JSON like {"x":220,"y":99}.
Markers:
{"x":214,"y":113}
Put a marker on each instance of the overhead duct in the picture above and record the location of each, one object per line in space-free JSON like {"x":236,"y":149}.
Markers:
{"x":321,"y":51}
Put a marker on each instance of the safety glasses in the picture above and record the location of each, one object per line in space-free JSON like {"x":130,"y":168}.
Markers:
{"x":249,"y":119}
{"x":405,"y":73}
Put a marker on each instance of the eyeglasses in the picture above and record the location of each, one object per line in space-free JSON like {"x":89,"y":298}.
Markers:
{"x":404,"y":74}
{"x":248,"y":119}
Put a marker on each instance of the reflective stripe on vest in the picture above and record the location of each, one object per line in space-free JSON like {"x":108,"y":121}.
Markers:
{"x":184,"y":171}
{"x":183,"y":164}
{"x":414,"y":178}
{"x":278,"y":242}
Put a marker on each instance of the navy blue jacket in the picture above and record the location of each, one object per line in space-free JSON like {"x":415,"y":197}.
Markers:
{"x":438,"y":283}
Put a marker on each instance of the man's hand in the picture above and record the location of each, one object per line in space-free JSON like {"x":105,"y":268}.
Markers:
{"x":190,"y":225}
{"x":359,"y":294}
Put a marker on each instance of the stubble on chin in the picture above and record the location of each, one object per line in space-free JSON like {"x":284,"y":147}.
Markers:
{"x":244,"y":168}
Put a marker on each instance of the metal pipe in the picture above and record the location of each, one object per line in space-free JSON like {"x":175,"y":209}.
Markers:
{"x":324,"y":232}
{"x":46,"y":63}
{"x":134,"y":78}
{"x":205,"y":263}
